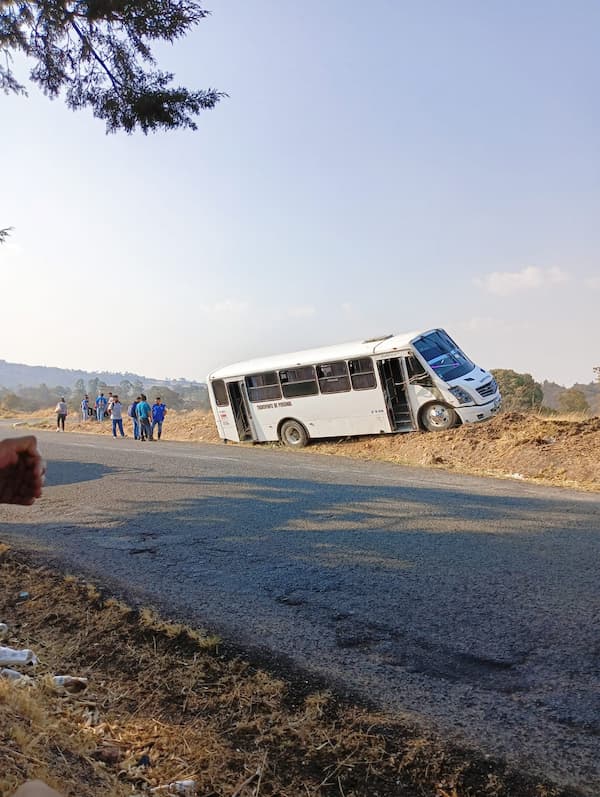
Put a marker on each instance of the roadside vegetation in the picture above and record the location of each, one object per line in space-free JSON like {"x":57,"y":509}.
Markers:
{"x":166,"y":704}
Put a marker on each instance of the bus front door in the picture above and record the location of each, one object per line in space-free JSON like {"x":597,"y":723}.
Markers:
{"x":239,"y":405}
{"x":394,"y":390}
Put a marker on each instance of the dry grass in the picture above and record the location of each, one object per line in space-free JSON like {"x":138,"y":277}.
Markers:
{"x":164,"y":704}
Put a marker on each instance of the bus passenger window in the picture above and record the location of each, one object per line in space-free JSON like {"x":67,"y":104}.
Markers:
{"x":333,"y":377}
{"x":362,"y":373}
{"x":296,"y":382}
{"x":220,"y":392}
{"x":263,"y":387}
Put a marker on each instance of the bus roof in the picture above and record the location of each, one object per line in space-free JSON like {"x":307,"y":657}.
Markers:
{"x":324,"y":354}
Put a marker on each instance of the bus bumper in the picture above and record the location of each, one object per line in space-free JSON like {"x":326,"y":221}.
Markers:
{"x":480,"y":412}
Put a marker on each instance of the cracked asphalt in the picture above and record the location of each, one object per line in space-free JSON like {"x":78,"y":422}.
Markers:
{"x":467,"y":604}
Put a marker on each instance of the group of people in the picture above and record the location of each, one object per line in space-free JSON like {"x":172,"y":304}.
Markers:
{"x":146,"y":419}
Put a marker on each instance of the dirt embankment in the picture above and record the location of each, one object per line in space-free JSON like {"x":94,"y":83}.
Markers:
{"x":560,"y":452}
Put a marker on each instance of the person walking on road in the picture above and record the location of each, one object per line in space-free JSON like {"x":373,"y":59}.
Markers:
{"x":100,"y":405}
{"x":134,"y":419}
{"x":158,"y":415}
{"x":61,"y":413}
{"x":85,"y":406}
{"x":116,"y":417}
{"x":144,"y":413}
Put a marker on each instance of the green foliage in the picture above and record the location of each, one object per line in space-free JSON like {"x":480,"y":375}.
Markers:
{"x":98,"y":53}
{"x":519,"y":391}
{"x":573,"y":400}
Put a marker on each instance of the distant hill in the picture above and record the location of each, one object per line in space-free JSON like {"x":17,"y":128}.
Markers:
{"x":552,"y":392}
{"x":15,"y":375}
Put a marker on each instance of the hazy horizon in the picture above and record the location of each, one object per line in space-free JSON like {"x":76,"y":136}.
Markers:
{"x":373,"y":171}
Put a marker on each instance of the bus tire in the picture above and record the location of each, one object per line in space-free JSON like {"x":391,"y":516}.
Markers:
{"x":438,"y":417}
{"x":293,"y":434}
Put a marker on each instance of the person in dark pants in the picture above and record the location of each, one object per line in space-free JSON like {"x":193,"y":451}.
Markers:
{"x":158,"y":415}
{"x":144,"y":413}
{"x":61,"y":414}
{"x":134,"y":419}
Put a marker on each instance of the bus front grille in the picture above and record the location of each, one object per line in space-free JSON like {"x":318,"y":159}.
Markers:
{"x":488,"y":389}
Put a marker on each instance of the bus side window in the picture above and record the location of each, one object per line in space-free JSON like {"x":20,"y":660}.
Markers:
{"x":297,"y":382}
{"x":220,"y":391}
{"x":362,"y":373}
{"x":333,"y":377}
{"x":263,"y":387}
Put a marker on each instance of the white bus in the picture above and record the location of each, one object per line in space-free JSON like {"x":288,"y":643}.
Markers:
{"x":397,"y":383}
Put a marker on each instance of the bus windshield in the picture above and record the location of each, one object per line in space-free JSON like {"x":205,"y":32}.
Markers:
{"x":443,"y":355}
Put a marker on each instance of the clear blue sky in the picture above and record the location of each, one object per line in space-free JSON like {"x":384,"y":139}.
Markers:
{"x":377,"y":168}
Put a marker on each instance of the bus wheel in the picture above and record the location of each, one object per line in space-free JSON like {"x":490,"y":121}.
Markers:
{"x":293,"y":434}
{"x":438,"y":417}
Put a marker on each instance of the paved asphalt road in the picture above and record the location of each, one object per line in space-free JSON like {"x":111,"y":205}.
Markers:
{"x":469,"y":603}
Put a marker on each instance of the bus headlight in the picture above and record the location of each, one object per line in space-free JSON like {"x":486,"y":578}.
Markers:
{"x":461,"y":395}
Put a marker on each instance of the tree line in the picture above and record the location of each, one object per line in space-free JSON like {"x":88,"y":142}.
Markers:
{"x":41,"y":397}
{"x":521,"y":393}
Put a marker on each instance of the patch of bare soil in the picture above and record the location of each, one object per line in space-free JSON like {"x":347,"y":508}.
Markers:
{"x":164,"y":704}
{"x":552,"y":451}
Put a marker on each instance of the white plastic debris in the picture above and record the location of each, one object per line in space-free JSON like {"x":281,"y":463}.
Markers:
{"x":14,"y":675}
{"x":11,"y":656}
{"x":3,"y":630}
{"x":178,"y":786}
{"x":70,"y":683}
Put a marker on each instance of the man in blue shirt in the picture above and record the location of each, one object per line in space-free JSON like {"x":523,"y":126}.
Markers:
{"x":100,"y":405}
{"x":158,"y":415}
{"x":144,"y":413}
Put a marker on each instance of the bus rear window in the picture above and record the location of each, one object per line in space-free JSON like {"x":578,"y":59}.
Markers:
{"x":333,"y":377}
{"x":263,"y":387}
{"x":362,"y":373}
{"x":220,"y":392}
{"x":297,"y":382}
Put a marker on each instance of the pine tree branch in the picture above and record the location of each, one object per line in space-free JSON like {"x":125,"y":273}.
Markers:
{"x":116,"y":84}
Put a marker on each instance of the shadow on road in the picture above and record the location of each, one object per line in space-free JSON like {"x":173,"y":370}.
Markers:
{"x":73,"y":472}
